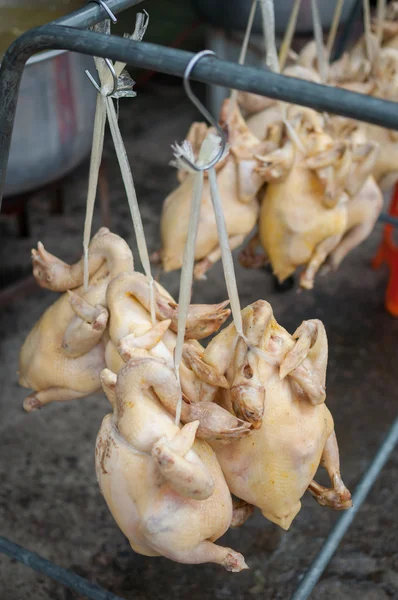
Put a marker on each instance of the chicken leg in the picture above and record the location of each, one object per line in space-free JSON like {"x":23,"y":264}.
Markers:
{"x":338,"y":496}
{"x":203,"y":265}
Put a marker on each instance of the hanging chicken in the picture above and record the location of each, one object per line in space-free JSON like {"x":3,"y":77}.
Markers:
{"x":132,"y":332}
{"x":277,"y":381}
{"x":164,"y":488}
{"x":304,"y":210}
{"x":63,"y":355}
{"x":238,"y":182}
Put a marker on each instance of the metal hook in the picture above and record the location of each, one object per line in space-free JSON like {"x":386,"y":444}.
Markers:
{"x":203,"y":110}
{"x":106,"y":9}
{"x":114,"y":76}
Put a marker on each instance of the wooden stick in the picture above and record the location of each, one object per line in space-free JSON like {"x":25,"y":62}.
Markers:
{"x":334,"y":27}
{"x":287,"y":40}
{"x":366,"y":22}
{"x":381,"y":15}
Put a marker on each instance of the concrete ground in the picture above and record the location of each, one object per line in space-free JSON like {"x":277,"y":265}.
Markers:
{"x":49,"y":499}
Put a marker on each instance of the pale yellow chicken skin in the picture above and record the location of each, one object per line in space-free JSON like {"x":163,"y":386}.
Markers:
{"x":131,"y":330}
{"x":165,"y":490}
{"x":238,"y":184}
{"x":304,"y":210}
{"x":294,"y":222}
{"x":282,"y":390}
{"x":63,"y":355}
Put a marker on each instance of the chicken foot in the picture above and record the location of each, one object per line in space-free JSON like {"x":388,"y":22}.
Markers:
{"x":189,"y":479}
{"x":52,"y":273}
{"x":202,"y":319}
{"x":306,"y":362}
{"x":247,"y":389}
{"x":37,"y":400}
{"x":338,"y":496}
{"x":86,"y":328}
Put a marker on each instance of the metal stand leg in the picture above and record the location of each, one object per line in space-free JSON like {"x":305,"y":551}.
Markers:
{"x":329,"y":548}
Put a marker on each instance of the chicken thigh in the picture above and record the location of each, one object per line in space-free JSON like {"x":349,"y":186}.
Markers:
{"x":164,"y":488}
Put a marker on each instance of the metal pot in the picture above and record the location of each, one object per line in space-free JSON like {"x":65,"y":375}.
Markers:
{"x":54,"y":120}
{"x":56,"y":104}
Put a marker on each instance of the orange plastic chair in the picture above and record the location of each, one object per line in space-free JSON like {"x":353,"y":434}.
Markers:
{"x":388,"y":254}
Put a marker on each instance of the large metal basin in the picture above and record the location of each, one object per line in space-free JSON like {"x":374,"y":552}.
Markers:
{"x":54,"y":120}
{"x":56,"y":104}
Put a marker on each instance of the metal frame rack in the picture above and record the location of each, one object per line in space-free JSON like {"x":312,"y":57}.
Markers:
{"x":69,"y":33}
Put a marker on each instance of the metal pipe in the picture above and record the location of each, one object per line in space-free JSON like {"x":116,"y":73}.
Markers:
{"x":174,"y":62}
{"x":93,"y":13}
{"x":42,"y":565}
{"x":384,"y":218}
{"x":330,"y":546}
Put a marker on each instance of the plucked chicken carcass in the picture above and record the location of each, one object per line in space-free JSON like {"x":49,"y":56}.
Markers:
{"x":63,"y":355}
{"x":131,"y":330}
{"x":303,"y":216}
{"x":277,"y":383}
{"x":238,"y":183}
{"x":382,"y":83}
{"x":266,"y":114}
{"x":164,"y":488}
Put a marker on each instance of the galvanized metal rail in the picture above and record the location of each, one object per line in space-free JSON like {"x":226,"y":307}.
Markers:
{"x":174,"y":62}
{"x":79,"y":584}
{"x":68,"y":33}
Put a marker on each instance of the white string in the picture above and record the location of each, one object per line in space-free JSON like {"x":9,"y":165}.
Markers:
{"x":229,"y":270}
{"x":226,"y":254}
{"x":132,"y":198}
{"x":208,"y":150}
{"x":106,"y":81}
{"x":186,"y":279}
{"x":95,"y":163}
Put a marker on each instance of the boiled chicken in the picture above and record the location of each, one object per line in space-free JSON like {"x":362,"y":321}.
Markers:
{"x":164,"y":488}
{"x":278,"y":382}
{"x":303,"y":216}
{"x":131,"y":331}
{"x":262,"y":114}
{"x":63,"y":355}
{"x":238,"y":184}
